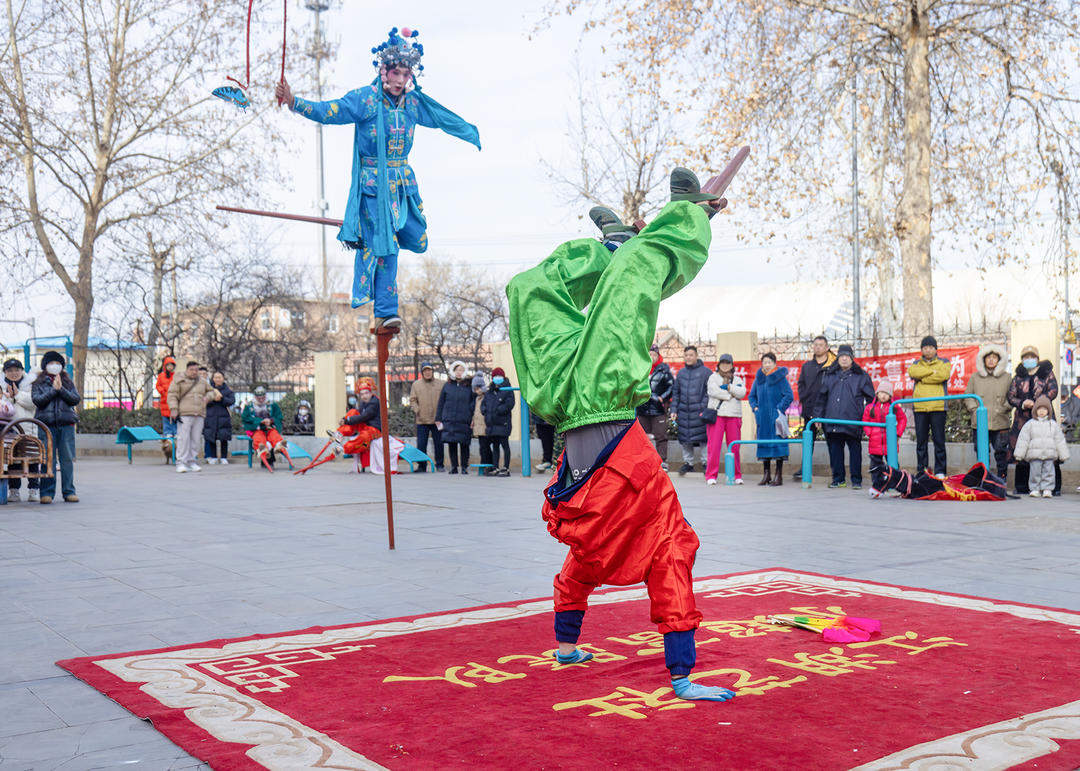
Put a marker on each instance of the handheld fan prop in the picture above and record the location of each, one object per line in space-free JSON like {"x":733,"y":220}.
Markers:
{"x":237,"y":95}
{"x":841,"y":629}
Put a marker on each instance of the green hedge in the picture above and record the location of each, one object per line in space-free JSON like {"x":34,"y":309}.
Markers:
{"x":109,"y":420}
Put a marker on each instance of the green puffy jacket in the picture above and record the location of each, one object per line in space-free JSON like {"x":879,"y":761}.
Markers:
{"x":582,"y":321}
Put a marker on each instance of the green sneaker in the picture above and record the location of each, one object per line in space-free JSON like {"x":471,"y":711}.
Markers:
{"x":686,"y":187}
{"x":610,"y":225}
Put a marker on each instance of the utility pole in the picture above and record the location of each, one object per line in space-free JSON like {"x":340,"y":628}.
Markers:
{"x":318,"y":53}
{"x":856,"y":303}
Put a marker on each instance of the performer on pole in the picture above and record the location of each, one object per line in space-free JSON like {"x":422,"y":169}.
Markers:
{"x":384,"y":210}
{"x":585,"y":372}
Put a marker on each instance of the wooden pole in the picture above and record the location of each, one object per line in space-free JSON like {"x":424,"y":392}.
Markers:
{"x":283,"y":215}
{"x":382,"y":340}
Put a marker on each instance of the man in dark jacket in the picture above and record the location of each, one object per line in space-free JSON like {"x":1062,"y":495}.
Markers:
{"x":810,"y":374}
{"x":845,"y":391}
{"x":688,"y":398}
{"x":653,"y":414}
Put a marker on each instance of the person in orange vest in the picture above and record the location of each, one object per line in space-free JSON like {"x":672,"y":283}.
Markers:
{"x":168,"y":424}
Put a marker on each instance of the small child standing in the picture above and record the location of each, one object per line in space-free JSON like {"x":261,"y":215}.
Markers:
{"x":1041,"y":443}
{"x":876,"y":412}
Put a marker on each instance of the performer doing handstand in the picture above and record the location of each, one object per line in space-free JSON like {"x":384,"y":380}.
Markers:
{"x":585,"y":371}
{"x":384,"y":210}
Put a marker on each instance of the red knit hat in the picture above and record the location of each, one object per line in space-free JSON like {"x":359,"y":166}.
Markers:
{"x":498,"y":372}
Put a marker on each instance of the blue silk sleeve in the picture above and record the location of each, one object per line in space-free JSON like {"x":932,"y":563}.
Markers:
{"x":434,"y":115}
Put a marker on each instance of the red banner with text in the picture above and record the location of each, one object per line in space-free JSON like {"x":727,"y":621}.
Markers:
{"x":891,"y":368}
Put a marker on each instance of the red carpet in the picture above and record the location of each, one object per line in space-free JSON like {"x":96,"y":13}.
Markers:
{"x":953,"y":682}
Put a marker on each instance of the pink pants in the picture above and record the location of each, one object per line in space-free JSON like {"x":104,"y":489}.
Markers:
{"x":723,"y":430}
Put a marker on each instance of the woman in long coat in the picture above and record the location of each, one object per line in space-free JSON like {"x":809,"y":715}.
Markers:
{"x":1034,"y":378}
{"x":454,"y":415}
{"x":217,"y":430}
{"x":770,"y":397}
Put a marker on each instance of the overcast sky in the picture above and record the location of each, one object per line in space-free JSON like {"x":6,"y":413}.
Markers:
{"x":496,"y":208}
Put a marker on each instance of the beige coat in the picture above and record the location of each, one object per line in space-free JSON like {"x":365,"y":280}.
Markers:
{"x":727,"y":402}
{"x":187,"y":396}
{"x":993,"y":388}
{"x":479,"y":425}
{"x":424,"y":400}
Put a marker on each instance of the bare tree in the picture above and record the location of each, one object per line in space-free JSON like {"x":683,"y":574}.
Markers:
{"x":452,"y":310}
{"x":248,"y":319}
{"x":982,"y":100}
{"x":620,"y":147}
{"x":108,"y":128}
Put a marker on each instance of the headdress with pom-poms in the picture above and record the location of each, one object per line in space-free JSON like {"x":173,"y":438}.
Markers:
{"x":400,"y":49}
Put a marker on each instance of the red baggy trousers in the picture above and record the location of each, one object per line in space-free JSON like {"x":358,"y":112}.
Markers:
{"x":623,"y":526}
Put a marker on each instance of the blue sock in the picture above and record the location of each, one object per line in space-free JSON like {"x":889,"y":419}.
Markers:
{"x":577,"y":657}
{"x":685,"y":689}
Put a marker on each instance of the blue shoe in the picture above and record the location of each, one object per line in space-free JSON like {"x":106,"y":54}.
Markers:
{"x":691,"y":691}
{"x":577,"y":657}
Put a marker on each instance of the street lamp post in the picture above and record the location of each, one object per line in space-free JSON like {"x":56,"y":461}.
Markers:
{"x":317,"y":53}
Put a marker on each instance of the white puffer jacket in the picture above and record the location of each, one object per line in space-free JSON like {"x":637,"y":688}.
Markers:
{"x":726,"y":401}
{"x":1041,"y":439}
{"x":24,"y":405}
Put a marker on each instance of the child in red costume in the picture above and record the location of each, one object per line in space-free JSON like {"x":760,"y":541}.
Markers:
{"x":362,"y":424}
{"x":585,"y":372}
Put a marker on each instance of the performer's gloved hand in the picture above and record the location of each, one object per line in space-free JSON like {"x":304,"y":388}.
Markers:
{"x":685,"y":689}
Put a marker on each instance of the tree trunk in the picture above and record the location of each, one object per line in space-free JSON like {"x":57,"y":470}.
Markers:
{"x":877,"y":235}
{"x":84,"y":307}
{"x":913,"y":221}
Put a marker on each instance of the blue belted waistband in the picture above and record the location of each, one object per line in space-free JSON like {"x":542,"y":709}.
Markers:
{"x":372,"y":161}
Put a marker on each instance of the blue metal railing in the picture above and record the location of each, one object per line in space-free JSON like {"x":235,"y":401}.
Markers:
{"x":982,"y":424}
{"x":729,"y":456}
{"x":526,"y":449}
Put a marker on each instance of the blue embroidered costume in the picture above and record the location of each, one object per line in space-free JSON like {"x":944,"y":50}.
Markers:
{"x":384,"y":211}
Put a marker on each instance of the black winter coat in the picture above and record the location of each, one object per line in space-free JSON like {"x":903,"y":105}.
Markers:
{"x":369,"y":414}
{"x":688,"y":398}
{"x":55,"y":408}
{"x":497,"y":409}
{"x":844,"y":396}
{"x":661,"y":384}
{"x":218,"y":425}
{"x":455,"y":411}
{"x":810,"y":381}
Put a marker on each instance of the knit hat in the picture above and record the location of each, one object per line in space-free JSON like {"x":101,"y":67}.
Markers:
{"x":884,"y":387}
{"x":365,"y":383}
{"x":259,"y":391}
{"x":12,"y":363}
{"x":478,"y":381}
{"x":498,"y":372}
{"x":49,"y":357}
{"x":845,"y":350}
{"x":725,"y":357}
{"x":928,"y":340}
{"x":1029,"y":349}
{"x":1042,"y":401}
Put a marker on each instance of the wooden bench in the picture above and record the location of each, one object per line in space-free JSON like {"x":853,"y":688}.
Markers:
{"x":19,"y":450}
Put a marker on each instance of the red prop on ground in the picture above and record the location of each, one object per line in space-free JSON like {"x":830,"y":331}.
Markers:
{"x":975,"y":682}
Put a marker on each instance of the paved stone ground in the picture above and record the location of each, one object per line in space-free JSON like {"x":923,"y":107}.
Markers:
{"x":151,"y":559}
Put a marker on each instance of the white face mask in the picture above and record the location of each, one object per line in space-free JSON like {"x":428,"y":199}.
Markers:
{"x":303,"y":411}
{"x":54,"y":368}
